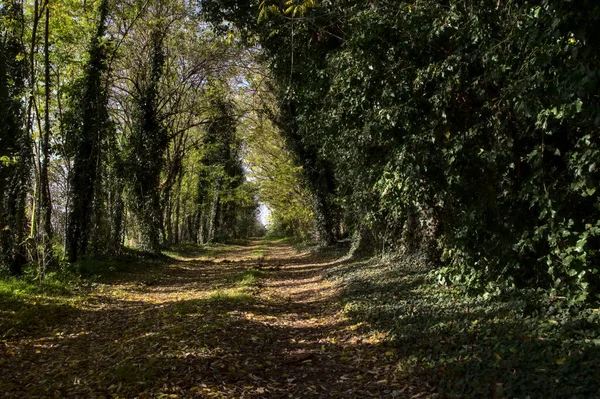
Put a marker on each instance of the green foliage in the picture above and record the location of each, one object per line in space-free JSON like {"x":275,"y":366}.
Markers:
{"x":280,"y":183}
{"x":15,"y":143}
{"x":148,"y":142}
{"x":225,"y":203}
{"x":248,"y":278}
{"x":464,"y":130}
{"x":27,"y":289}
{"x":288,"y":7}
{"x":130,"y":260}
{"x":503,"y":343}
{"x":296,"y":93}
{"x":227,"y":298}
{"x":34,"y":304}
{"x":89,"y":129}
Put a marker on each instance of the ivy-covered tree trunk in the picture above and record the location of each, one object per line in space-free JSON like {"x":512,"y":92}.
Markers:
{"x":86,"y":163}
{"x":118,"y":210}
{"x":148,"y":144}
{"x":15,"y":143}
{"x":116,"y":204}
{"x":317,"y":172}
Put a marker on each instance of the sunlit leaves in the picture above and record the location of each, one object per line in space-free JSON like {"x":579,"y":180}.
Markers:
{"x":294,"y":8}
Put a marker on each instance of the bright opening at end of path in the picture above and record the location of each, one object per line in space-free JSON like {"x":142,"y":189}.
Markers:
{"x":264,"y":214}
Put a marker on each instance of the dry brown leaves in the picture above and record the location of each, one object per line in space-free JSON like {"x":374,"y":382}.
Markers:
{"x":190,"y":330}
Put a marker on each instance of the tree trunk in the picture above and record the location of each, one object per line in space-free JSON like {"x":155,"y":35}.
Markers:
{"x":94,"y":117}
{"x":45,"y":203}
{"x":15,"y":150}
{"x":149,"y":142}
{"x":30,"y":109}
{"x":177,"y":216}
{"x":212,"y":216}
{"x":167,"y":222}
{"x":317,"y":172}
{"x":118,"y":210}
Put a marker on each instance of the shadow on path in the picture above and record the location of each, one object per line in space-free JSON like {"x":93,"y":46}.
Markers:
{"x":236,"y":321}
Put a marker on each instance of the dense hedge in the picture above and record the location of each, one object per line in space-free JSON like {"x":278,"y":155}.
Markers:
{"x":467,"y":127}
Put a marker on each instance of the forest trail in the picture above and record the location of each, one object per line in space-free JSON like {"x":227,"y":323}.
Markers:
{"x":239,"y":321}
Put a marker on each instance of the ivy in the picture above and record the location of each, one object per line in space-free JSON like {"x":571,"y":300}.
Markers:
{"x":465,"y":130}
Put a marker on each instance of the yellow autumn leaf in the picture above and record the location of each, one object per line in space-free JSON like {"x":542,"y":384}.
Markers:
{"x":560,"y":361}
{"x":497,"y":356}
{"x":389,"y":353}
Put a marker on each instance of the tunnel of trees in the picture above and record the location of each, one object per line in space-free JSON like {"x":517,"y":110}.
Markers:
{"x":300,"y":198}
{"x":466,"y":131}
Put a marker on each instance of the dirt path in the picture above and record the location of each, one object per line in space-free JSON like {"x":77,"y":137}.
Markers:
{"x":234,"y":322}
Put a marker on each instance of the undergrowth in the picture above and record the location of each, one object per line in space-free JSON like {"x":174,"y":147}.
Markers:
{"x":130,"y":260}
{"x":34,"y":305}
{"x":29,"y":303}
{"x":503,"y":343}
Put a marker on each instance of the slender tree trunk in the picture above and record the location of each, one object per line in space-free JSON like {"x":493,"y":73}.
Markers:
{"x":30,"y":109}
{"x":213,"y":214}
{"x":190,"y":228}
{"x":117,"y":209}
{"x":167,"y":222}
{"x":176,"y":238}
{"x":200,"y":224}
{"x":183,"y":228}
{"x":67,"y":200}
{"x":34,"y":208}
{"x":46,"y":205}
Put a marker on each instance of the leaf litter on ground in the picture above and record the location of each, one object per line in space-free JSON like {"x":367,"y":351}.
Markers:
{"x":255,"y":320}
